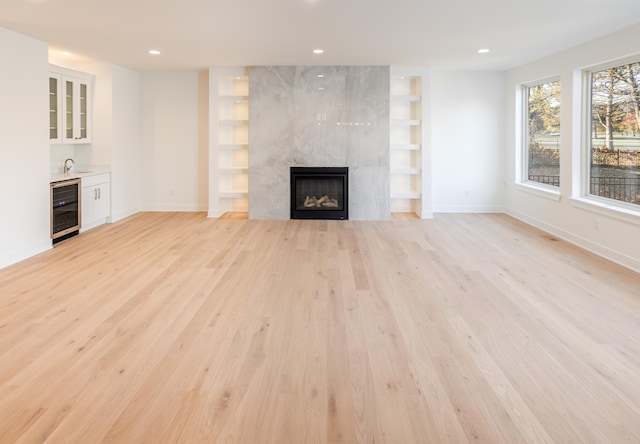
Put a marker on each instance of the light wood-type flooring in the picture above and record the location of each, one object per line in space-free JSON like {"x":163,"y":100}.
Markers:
{"x":175,"y":328}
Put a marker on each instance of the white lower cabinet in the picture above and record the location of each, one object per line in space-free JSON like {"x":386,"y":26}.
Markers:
{"x":96,"y":203}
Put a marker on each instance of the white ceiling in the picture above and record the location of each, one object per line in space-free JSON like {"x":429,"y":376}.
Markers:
{"x":195,"y":34}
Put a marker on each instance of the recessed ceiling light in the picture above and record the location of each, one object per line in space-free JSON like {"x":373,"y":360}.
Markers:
{"x":320,"y":76}
{"x":154,"y":52}
{"x":66,"y":53}
{"x":483,"y":51}
{"x":318,"y":51}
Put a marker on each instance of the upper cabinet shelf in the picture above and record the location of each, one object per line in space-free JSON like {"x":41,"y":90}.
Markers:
{"x":70,"y":101}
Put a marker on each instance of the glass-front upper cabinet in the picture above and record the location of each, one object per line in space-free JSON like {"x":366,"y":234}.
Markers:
{"x":76,"y":110}
{"x":73,"y":106}
{"x":55,"y":116}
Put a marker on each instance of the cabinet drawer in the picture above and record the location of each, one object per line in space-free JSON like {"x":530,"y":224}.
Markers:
{"x":89,"y":181}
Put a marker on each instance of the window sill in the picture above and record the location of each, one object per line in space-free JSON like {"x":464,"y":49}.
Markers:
{"x":607,"y":209}
{"x":540,"y":191}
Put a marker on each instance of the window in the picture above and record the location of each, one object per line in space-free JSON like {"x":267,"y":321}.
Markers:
{"x":542,"y":137}
{"x":614,"y":148}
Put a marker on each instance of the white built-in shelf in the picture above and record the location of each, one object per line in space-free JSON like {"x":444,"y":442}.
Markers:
{"x":234,"y":122}
{"x":406,"y":195}
{"x":235,"y":98}
{"x":406,"y":98}
{"x":233,"y":194}
{"x":233,"y":170}
{"x":406,"y":147}
{"x":409,"y":171}
{"x":410,"y":122}
{"x":234,"y":146}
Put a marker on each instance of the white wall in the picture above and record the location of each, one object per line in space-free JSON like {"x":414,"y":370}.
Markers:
{"x":600,"y":229}
{"x":169,"y":104}
{"x":116,"y":133}
{"x":126,"y":161}
{"x":24,"y":148}
{"x":99,"y":152}
{"x":467,"y":141}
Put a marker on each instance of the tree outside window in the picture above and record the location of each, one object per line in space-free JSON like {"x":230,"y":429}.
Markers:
{"x":614,"y":167}
{"x":543,"y":134}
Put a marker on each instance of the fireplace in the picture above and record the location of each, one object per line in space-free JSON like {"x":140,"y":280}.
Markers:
{"x":319,"y":193}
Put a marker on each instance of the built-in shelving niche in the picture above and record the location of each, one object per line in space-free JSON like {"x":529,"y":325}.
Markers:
{"x":232,"y":141}
{"x":407,"y":131}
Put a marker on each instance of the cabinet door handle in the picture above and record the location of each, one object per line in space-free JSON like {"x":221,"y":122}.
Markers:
{"x":95,"y":194}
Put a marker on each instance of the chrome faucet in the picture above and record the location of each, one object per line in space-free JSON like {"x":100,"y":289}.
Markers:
{"x":66,"y":167}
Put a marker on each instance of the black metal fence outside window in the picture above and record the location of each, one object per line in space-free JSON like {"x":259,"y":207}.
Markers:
{"x":547,"y":180}
{"x":619,"y":168}
{"x":625,"y":189}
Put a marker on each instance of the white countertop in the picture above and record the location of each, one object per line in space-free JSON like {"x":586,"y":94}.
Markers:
{"x":80,"y":173}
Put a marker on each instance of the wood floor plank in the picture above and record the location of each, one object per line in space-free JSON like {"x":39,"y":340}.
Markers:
{"x":175,"y":328}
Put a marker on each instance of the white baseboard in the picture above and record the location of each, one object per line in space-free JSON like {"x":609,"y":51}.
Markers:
{"x":469,"y":209}
{"x":13,"y":257}
{"x":94,"y":224}
{"x":172,"y":208}
{"x":115,"y":217}
{"x":593,"y":247}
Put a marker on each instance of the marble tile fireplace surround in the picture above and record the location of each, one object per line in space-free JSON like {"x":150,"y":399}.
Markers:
{"x":319,"y":116}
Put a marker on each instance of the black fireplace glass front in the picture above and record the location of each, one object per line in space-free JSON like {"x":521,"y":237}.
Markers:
{"x":319,"y":193}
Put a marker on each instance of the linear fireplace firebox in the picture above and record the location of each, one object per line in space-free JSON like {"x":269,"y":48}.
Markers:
{"x":320,"y":193}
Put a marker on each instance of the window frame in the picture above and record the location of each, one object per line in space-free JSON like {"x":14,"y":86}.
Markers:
{"x":522,"y":161}
{"x":608,"y":205}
